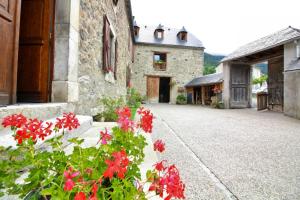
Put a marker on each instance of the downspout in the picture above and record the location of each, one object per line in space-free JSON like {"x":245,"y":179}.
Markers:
{"x":297,"y":42}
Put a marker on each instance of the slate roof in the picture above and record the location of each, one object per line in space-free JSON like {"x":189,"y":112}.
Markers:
{"x":276,"y":39}
{"x":206,"y":80}
{"x":146,"y":36}
{"x":293,"y":66}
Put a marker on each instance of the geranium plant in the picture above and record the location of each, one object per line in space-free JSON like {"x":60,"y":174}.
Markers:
{"x":109,"y":170}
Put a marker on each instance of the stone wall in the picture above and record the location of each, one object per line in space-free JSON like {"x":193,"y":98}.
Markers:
{"x":183,"y":64}
{"x":91,"y":78}
{"x":291,"y":83}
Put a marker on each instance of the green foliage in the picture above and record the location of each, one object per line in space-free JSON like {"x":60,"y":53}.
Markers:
{"x":46,"y":168}
{"x":134,"y":100}
{"x":110,"y":106}
{"x":260,"y":80}
{"x":209,"y":70}
{"x":181,"y":99}
{"x":212,"y":60}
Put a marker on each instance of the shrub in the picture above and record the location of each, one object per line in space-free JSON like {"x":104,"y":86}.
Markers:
{"x":110,"y":106}
{"x":108,"y":170}
{"x":181,"y":99}
{"x":134,"y":98}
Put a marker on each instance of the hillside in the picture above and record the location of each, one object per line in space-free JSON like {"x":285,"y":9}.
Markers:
{"x":211,"y":62}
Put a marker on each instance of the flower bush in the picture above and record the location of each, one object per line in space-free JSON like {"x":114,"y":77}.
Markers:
{"x":109,"y":170}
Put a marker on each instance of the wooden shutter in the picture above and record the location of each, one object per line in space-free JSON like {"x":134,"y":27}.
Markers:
{"x":106,"y":45}
{"x":116,"y":60}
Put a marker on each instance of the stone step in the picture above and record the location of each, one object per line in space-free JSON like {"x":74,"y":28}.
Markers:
{"x":6,"y":138}
{"x":42,"y":111}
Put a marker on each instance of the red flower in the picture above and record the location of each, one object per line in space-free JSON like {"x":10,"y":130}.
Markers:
{"x":169,"y":182}
{"x":68,"y":121}
{"x":94,"y":192}
{"x":146,"y":120}
{"x":69,"y":176}
{"x":174,"y":185}
{"x":80,"y":196}
{"x":104,"y":136}
{"x":124,"y":121}
{"x":160,"y":166}
{"x":159,"y":146}
{"x":21,"y":135}
{"x":16,"y":121}
{"x":117,"y":166}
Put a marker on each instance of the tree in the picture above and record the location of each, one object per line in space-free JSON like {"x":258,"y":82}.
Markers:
{"x":260,"y":80}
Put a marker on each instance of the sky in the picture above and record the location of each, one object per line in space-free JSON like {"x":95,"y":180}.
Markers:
{"x":222,"y":25}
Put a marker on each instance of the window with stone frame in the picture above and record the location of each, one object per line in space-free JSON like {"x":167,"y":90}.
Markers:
{"x":160,"y":61}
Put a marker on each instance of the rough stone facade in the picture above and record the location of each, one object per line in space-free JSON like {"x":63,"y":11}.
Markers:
{"x":183,"y":65}
{"x":91,"y":78}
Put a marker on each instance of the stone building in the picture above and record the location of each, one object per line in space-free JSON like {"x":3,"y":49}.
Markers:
{"x":281,"y":50}
{"x":165,"y":60}
{"x":74,"y":53}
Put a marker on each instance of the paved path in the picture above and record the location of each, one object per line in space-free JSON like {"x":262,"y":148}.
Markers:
{"x":231,"y":154}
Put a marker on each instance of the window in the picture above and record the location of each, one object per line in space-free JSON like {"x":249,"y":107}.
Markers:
{"x":160,"y":61}
{"x":159,"y":35}
{"x":183,"y":36}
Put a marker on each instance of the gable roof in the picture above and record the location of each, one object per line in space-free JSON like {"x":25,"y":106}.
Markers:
{"x":146,"y":36}
{"x":206,"y":80}
{"x":276,"y":39}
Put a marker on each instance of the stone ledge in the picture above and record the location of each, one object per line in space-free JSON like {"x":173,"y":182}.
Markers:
{"x":42,"y":111}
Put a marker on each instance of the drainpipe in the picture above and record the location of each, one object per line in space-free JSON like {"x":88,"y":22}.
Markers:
{"x":297,"y":48}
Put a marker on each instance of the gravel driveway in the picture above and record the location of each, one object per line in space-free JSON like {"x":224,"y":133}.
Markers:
{"x":231,"y":154}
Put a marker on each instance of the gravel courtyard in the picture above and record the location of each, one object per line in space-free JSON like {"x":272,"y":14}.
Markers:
{"x":231,"y":154}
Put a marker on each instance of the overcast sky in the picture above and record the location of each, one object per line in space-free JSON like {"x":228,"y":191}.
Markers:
{"x":222,"y":25}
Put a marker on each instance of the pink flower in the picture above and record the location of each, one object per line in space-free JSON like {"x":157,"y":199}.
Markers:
{"x":159,"y":146}
{"x":104,"y":137}
{"x":124,"y":121}
{"x":69,"y":176}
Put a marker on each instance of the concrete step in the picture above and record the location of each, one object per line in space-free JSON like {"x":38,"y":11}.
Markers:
{"x":6,"y":138}
{"x":42,"y":111}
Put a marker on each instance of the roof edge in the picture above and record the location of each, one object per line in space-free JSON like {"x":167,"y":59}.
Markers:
{"x":168,"y":45}
{"x":261,"y":50}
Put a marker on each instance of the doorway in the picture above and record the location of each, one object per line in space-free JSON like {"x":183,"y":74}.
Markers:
{"x":36,"y":50}
{"x":164,"y":89}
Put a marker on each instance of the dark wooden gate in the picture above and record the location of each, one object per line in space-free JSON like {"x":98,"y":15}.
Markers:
{"x":262,"y":101}
{"x":35,"y":51}
{"x":240,"y":84}
{"x":9,"y":37}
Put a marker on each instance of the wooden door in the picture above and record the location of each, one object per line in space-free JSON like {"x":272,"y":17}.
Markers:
{"x":35,"y":50}
{"x":153,"y":89}
{"x":240,"y":86}
{"x":9,"y":37}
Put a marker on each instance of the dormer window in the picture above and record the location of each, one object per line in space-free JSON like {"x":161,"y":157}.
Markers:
{"x":136,"y":29}
{"x":159,"y":32}
{"x":182,"y":34}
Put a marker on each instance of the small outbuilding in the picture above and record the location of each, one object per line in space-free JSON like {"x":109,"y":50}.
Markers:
{"x":205,"y":90}
{"x":281,"y":51}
